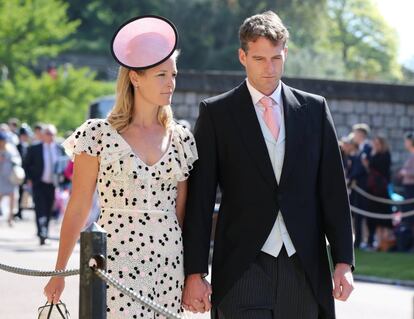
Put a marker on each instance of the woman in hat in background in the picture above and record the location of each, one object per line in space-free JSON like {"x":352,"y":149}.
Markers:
{"x":139,"y":159}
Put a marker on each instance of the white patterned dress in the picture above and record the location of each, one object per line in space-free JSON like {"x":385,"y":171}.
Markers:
{"x":138,"y":204}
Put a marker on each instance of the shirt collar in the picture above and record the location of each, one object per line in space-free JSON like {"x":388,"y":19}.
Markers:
{"x":257,"y":95}
{"x":52,"y":145}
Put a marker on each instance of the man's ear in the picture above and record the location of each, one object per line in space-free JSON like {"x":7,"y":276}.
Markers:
{"x":242,"y":57}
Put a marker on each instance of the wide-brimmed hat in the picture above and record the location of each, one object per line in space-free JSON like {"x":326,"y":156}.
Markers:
{"x":144,"y":42}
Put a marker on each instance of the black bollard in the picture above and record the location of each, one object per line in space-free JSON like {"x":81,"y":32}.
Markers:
{"x":92,"y":290}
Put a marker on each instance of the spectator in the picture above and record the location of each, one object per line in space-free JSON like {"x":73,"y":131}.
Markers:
{"x":38,"y":135}
{"x":39,"y":164}
{"x":349,"y":150}
{"x":10,"y":136}
{"x":22,"y":149}
{"x":379,"y":175}
{"x":359,"y":175}
{"x":8,"y":158}
{"x":14,"y":125}
{"x":406,"y":174}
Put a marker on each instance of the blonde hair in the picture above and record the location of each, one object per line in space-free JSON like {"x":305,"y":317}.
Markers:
{"x":121,"y":114}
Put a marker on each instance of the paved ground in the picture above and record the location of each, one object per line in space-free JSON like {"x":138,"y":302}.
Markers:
{"x":20,"y":296}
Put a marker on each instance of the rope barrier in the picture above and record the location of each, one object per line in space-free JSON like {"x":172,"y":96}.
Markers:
{"x":39,"y":273}
{"x":134,"y":296}
{"x":381,"y":199}
{"x":380,"y":215}
{"x":103,"y":276}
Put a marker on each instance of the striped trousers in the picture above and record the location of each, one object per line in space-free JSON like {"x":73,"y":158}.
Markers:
{"x":272,"y":288}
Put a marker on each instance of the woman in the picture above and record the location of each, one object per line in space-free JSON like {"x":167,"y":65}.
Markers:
{"x":379,"y":174}
{"x":139,"y":159}
{"x":8,"y":159}
{"x":406,"y":175}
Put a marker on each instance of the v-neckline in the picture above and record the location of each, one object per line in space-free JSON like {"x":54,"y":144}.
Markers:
{"x":139,"y":158}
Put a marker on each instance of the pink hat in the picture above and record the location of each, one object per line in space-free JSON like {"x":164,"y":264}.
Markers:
{"x":144,"y":42}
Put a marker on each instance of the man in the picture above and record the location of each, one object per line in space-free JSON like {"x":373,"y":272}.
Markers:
{"x":359,"y":175}
{"x":37,"y":133}
{"x":273,"y":152}
{"x":39,"y":164}
{"x":22,"y":148}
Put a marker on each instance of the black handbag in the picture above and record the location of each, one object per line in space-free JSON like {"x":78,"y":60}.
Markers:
{"x":53,"y":311}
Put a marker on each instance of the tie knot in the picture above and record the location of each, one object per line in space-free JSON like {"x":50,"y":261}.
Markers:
{"x":267,"y":101}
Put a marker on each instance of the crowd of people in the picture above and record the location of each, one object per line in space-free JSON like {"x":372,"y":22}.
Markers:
{"x":47,"y":173}
{"x":158,"y":224}
{"x":367,"y":163}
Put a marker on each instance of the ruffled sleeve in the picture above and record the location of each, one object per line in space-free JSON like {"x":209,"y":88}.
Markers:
{"x":86,"y":138}
{"x":186,"y":152}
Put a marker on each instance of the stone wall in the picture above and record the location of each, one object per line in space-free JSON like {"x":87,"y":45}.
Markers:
{"x":388,"y":109}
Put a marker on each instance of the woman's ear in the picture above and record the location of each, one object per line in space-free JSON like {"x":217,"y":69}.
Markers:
{"x":134,"y":78}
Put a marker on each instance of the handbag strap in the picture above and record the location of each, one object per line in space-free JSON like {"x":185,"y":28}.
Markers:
{"x":64,"y":315}
{"x":50,"y":310}
{"x":60,"y":311}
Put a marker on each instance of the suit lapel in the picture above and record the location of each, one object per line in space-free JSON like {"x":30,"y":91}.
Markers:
{"x":295,"y":121}
{"x":249,"y":129}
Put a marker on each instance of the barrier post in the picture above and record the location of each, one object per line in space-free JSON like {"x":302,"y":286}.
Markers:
{"x":92,"y":290}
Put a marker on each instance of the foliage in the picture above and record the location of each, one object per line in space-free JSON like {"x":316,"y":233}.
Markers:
{"x":30,"y":29}
{"x":34,"y":29}
{"x":63,"y":101}
{"x":208,"y":28}
{"x":329,"y":38}
{"x":368,"y":46}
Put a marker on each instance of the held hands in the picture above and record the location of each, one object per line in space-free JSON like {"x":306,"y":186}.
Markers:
{"x":196,"y":294}
{"x":343,"y":282}
{"x":54,"y":289}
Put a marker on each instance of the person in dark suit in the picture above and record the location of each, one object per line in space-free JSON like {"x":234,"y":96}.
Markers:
{"x":273,"y":152}
{"x":22,"y":148}
{"x":359,"y":175}
{"x":39,"y":164}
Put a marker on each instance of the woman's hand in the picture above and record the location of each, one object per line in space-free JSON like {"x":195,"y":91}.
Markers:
{"x":54,"y":288}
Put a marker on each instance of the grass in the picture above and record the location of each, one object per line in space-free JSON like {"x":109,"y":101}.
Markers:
{"x":385,"y":265}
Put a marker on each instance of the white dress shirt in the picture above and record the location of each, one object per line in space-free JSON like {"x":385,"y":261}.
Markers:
{"x":50,"y":158}
{"x":279,"y":235}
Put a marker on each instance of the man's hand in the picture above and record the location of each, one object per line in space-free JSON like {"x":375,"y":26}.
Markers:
{"x":343,"y":282}
{"x":196,"y":294}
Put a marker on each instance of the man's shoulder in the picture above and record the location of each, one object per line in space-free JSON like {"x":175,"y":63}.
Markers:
{"x":306,"y":97}
{"x":223,"y":98}
{"x":59,"y":147}
{"x":35,"y":146}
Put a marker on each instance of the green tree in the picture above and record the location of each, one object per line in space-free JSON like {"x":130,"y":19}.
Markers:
{"x":30,"y":29}
{"x":366,"y":44}
{"x":62,"y":100}
{"x":208,"y":28}
{"x":329,"y":38}
{"x":33,"y":29}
